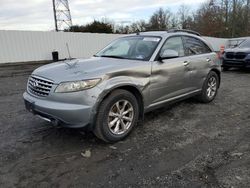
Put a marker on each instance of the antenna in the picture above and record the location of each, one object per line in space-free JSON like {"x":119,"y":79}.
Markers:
{"x":62,"y":14}
{"x":68,"y":50}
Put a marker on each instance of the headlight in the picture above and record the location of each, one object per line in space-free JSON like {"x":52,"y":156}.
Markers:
{"x":66,"y":87}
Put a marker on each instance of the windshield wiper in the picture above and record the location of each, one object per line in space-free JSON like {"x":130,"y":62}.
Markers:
{"x":112,"y":56}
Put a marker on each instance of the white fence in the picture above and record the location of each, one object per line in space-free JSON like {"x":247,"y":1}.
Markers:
{"x":23,"y":46}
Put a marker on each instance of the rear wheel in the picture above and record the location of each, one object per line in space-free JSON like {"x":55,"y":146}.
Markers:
{"x":117,"y":116}
{"x":210,"y":88}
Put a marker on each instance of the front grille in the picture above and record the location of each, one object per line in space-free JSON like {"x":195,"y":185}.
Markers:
{"x":39,"y":86}
{"x":237,"y":55}
{"x":230,"y":55}
{"x":240,"y":55}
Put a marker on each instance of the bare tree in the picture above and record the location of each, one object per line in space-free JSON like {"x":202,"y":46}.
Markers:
{"x":234,"y":18}
{"x":184,"y":13}
{"x":247,"y":16}
{"x":174,"y":21}
{"x":160,"y":20}
{"x":219,"y":18}
{"x":138,"y":26}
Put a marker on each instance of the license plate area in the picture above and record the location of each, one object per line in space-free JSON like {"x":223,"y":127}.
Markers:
{"x":234,"y":62}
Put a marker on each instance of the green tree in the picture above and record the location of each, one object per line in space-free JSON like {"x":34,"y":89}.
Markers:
{"x":94,"y":27}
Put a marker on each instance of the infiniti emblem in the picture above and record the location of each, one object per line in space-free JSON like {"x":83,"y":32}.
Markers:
{"x":35,"y":84}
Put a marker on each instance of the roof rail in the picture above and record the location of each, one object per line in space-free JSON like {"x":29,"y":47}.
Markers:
{"x":183,"y":30}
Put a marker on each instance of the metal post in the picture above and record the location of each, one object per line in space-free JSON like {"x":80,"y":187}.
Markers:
{"x":54,"y":10}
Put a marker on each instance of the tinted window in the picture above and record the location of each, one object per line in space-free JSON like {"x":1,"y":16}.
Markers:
{"x":173,"y":43}
{"x":195,"y":46}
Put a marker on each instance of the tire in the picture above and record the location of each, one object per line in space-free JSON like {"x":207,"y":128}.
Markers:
{"x":113,"y":125}
{"x":206,"y":96}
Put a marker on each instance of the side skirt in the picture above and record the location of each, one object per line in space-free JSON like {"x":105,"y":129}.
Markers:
{"x":172,"y":100}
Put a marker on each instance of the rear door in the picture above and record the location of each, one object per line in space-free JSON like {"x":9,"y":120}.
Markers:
{"x":200,"y":59}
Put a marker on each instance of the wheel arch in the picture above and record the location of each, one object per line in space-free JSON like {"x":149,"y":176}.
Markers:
{"x":218,"y":74}
{"x":132,"y":89}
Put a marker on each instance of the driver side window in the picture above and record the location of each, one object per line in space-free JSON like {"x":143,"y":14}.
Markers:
{"x":174,"y":43}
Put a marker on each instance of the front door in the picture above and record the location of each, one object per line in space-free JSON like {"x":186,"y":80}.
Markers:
{"x":170,"y":77}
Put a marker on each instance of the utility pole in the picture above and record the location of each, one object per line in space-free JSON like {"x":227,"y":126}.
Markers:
{"x":62,"y":14}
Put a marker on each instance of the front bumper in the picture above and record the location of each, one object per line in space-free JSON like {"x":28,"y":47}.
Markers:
{"x":236,"y":63}
{"x":69,"y":115}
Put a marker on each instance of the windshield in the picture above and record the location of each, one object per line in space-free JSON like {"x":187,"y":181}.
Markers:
{"x":245,"y":44}
{"x":136,"y":48}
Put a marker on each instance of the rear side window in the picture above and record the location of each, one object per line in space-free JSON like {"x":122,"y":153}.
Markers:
{"x":194,"y":46}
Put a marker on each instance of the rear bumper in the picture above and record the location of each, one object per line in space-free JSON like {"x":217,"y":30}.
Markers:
{"x":68,"y":115}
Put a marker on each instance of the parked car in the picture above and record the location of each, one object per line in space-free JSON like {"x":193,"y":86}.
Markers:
{"x":110,"y":92}
{"x":239,"y":56}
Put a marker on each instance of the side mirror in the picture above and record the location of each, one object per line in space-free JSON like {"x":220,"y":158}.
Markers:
{"x":169,"y":54}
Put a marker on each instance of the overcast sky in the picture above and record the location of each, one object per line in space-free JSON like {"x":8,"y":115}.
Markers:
{"x":38,"y":14}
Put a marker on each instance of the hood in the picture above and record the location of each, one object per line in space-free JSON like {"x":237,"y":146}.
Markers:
{"x":237,"y":49}
{"x":79,"y":69}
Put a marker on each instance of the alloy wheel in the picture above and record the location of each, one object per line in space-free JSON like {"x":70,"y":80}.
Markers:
{"x":120,"y":117}
{"x":212,"y":87}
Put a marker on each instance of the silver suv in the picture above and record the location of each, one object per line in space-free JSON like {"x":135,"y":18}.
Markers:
{"x":110,"y":92}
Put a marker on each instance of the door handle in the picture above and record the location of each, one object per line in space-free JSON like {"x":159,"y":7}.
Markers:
{"x":209,"y":60}
{"x":186,"y":63}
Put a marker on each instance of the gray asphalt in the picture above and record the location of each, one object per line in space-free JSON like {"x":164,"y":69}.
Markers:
{"x":187,"y":144}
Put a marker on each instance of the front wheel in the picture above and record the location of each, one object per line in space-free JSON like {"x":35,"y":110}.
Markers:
{"x":210,"y":88}
{"x":117,"y":115}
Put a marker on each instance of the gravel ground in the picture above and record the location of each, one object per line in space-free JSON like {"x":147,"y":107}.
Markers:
{"x":183,"y":145}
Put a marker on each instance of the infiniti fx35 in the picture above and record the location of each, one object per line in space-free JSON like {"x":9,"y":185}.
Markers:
{"x":110,"y":92}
